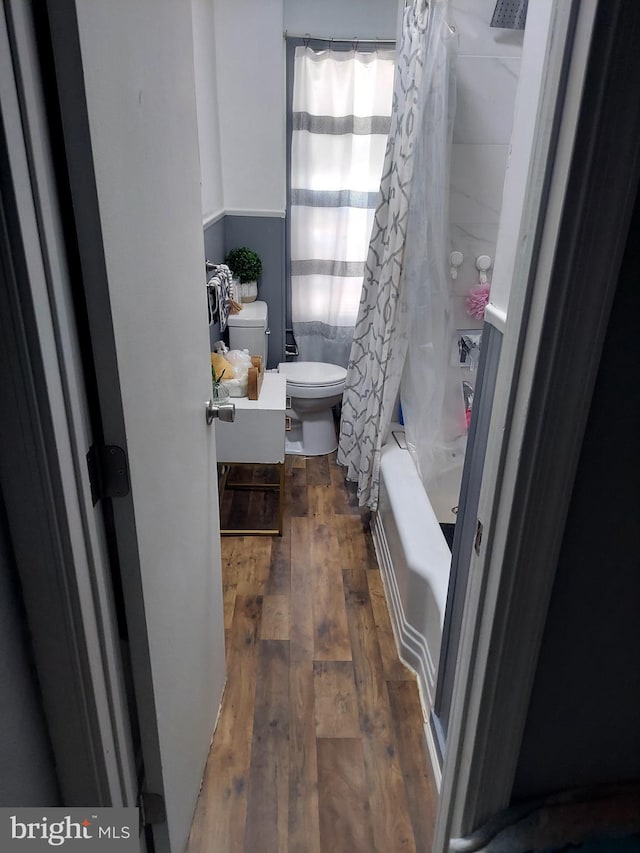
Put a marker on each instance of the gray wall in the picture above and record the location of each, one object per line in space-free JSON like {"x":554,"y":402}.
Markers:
{"x":214,"y":241}
{"x":265,"y":235}
{"x":582,"y":726}
{"x":27,"y":776}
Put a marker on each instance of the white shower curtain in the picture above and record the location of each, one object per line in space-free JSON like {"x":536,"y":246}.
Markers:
{"x":404,"y":306}
{"x":340,"y":123}
{"x":431,"y":387}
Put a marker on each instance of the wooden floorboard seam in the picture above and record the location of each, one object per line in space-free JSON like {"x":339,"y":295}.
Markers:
{"x":319,"y":746}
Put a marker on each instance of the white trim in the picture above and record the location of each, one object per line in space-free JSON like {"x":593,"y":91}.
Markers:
{"x":410,"y":646}
{"x":496,"y":316}
{"x":271,"y":214}
{"x":432,"y":750}
{"x":477,"y":778}
{"x":212,"y":218}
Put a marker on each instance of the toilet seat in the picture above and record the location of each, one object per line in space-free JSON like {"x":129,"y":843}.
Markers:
{"x":313,"y":379}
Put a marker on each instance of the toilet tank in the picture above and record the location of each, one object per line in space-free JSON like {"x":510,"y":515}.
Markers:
{"x":248,"y":329}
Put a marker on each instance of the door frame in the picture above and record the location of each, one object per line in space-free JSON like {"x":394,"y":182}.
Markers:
{"x":59,"y":540}
{"x":540,"y":412}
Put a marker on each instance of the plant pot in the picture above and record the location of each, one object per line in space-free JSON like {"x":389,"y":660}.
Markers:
{"x":248,"y":291}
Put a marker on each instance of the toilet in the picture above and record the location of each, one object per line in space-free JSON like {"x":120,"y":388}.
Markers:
{"x":249,"y":329}
{"x":314,"y":387}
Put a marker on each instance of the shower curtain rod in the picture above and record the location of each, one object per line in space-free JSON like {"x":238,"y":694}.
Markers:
{"x":354,"y":40}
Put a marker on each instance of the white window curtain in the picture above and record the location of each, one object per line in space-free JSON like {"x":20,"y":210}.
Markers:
{"x":340,"y":123}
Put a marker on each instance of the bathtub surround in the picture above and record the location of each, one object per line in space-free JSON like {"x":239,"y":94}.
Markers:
{"x":487,"y":71}
{"x":414,"y":562}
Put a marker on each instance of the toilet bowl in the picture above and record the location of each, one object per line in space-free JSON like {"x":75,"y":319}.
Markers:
{"x":314,"y":387}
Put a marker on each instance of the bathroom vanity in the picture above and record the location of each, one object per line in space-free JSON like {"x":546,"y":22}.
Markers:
{"x":256,"y":437}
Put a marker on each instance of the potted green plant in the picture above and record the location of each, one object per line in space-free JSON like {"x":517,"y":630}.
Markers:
{"x":246,"y":265}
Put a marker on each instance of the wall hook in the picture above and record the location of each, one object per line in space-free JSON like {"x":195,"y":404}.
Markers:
{"x":455,"y":259}
{"x":483,"y":263}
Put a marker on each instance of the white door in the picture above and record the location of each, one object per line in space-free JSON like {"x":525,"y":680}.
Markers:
{"x":126,"y":82}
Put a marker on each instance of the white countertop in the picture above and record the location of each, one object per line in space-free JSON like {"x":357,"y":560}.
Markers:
{"x":272,"y":394}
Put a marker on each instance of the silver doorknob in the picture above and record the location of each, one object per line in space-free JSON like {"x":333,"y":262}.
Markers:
{"x":224,"y":411}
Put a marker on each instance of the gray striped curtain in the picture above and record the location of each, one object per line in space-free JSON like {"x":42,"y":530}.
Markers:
{"x":404,"y":328}
{"x":340,"y":124}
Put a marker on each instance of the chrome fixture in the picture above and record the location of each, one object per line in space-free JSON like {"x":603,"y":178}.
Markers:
{"x":510,"y":14}
{"x":224,"y":411}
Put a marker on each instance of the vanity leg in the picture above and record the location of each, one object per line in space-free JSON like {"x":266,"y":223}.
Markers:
{"x":281,"y":500}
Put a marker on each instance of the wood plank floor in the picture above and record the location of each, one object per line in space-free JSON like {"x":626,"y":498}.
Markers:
{"x":319,"y":747}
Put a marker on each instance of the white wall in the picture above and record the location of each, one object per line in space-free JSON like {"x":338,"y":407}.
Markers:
{"x":488,"y":65}
{"x":204,"y":61}
{"x":337,"y":18}
{"x":250,"y":73}
{"x":250,"y":79}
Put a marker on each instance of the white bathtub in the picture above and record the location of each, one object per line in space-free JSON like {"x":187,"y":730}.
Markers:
{"x":415,"y":561}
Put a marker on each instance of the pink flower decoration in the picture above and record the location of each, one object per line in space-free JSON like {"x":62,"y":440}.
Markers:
{"x":477,"y":300}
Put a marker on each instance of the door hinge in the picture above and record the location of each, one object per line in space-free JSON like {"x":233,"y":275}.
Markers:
{"x":108,"y":472}
{"x":152,"y":808}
